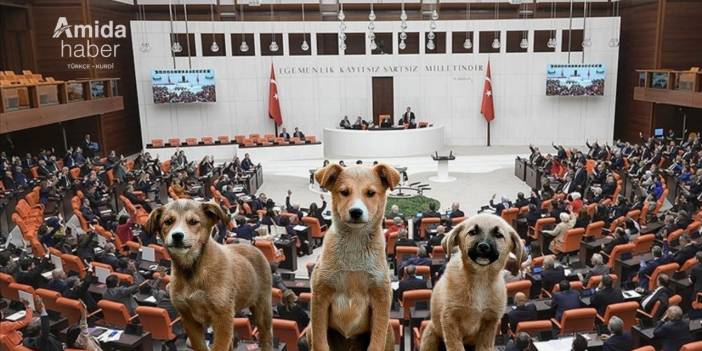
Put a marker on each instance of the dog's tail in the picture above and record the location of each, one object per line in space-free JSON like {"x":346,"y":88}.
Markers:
{"x":430,"y":339}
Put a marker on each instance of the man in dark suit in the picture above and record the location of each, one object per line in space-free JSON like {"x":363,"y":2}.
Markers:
{"x":404,"y":240}
{"x":30,"y":274}
{"x":58,"y":281}
{"x":456,"y":211}
{"x":299,"y":134}
{"x":437,"y":238}
{"x":660,"y":294}
{"x":422,"y":259}
{"x":121,"y":294}
{"x":619,"y":340}
{"x":431,"y":212}
{"x":244,"y":230}
{"x":135,"y":200}
{"x":606,"y":295}
{"x":246,"y":163}
{"x":672,"y":330}
{"x":407,"y":116}
{"x":521,"y":312}
{"x":696,"y":274}
{"x":660,"y":256}
{"x":410,"y":282}
{"x":566,"y":299}
{"x":386,"y":123}
{"x":108,"y":256}
{"x":284,"y":134}
{"x":688,"y":249}
{"x":522,"y":342}
{"x":551,"y":275}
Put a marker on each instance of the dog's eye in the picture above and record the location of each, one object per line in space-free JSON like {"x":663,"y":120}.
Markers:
{"x":193,"y":221}
{"x":169,"y":221}
{"x":473,"y":232}
{"x":499,"y":235}
{"x":344,"y":193}
{"x":370,"y":193}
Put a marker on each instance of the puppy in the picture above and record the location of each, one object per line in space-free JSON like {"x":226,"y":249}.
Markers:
{"x":469,"y":300}
{"x":351,"y":283}
{"x":212,"y":281}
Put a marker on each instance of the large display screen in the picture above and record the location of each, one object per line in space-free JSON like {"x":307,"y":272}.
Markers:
{"x":183,"y":86}
{"x":575,"y":80}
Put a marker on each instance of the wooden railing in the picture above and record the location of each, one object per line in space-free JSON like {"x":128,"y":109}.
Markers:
{"x":681,"y":88}
{"x":22,"y":96}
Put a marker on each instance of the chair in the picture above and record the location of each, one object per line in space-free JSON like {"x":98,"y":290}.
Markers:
{"x":390,"y":244}
{"x":115,"y":314}
{"x":624,"y":310}
{"x":675,"y":235}
{"x":7,"y":345}
{"x":424,"y":271}
{"x":269,"y":250}
{"x":239,"y":139}
{"x":5,"y":281}
{"x":438,"y":252}
{"x":692,"y":227}
{"x":296,"y":141}
{"x":574,"y":285}
{"x":73,"y":263}
{"x":398,"y":330}
{"x":424,"y":223}
{"x":311,"y":139}
{"x":157,"y":143}
{"x":15,"y":288}
{"x":643,"y":244}
{"x":156,"y":321}
{"x":456,"y":220}
{"x":668,"y":268}
{"x":401,"y":252}
{"x":207,"y":140}
{"x":534,"y":328}
{"x":316,"y":231}
{"x":688,"y":264}
{"x":417,"y":334}
{"x":617,"y":251}
{"x":243,"y":329}
{"x":276,"y":296}
{"x":535,"y":231}
{"x":223,"y":139}
{"x":573,"y":237}
{"x":645,"y":348}
{"x":523,"y":286}
{"x":410,"y":299}
{"x":693,"y":346}
{"x":594,"y":229}
{"x":634,"y":214}
{"x":595,"y":281}
{"x":576,"y":320}
{"x":173,"y":142}
{"x":510,"y":215}
{"x":672,"y":301}
{"x":279,"y":141}
{"x":287,"y":332}
{"x":49,"y":298}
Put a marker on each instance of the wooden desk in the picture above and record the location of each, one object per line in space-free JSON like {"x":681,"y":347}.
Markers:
{"x":520,"y":167}
{"x":622,"y":268}
{"x":126,"y":341}
{"x":652,"y":227}
{"x":533,"y":177}
{"x":290,"y":252}
{"x":588,"y":248}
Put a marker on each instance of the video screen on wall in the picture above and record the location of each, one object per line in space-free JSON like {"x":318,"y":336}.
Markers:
{"x":183,"y":86}
{"x":575,"y":80}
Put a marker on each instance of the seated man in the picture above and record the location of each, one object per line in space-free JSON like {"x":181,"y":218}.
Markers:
{"x":660,"y":294}
{"x":404,"y":240}
{"x":409,"y":281}
{"x":521,"y":312}
{"x":456,"y":211}
{"x":551,"y":274}
{"x":58,"y":281}
{"x":598,"y":267}
{"x":660,"y":256}
{"x":385,"y":123}
{"x":108,"y":256}
{"x":618,"y":340}
{"x":672,"y":330}
{"x":345,"y":123}
{"x":298,"y":134}
{"x":121,"y":294}
{"x":606,"y":295}
{"x":522,"y":342}
{"x":422,"y":259}
{"x":41,"y":340}
{"x":566,"y":299}
{"x":284,"y":134}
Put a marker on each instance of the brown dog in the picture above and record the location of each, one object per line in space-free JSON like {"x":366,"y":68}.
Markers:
{"x":351,"y":283}
{"x":212,"y":281}
{"x":469,"y":300}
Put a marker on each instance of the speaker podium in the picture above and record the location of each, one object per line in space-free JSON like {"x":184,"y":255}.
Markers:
{"x":442,"y":172}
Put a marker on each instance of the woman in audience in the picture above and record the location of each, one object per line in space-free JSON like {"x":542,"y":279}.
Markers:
{"x":583,"y":218}
{"x":317,"y":212}
{"x":560,"y":231}
{"x":620,"y":237}
{"x":288,"y":309}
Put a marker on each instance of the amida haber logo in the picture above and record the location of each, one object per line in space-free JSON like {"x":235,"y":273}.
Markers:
{"x":88,"y":49}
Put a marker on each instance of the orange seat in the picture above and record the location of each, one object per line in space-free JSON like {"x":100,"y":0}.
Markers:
{"x":161,"y":253}
{"x":223,"y":139}
{"x":115,"y":314}
{"x":402,"y":252}
{"x":70,"y":309}
{"x":688,"y":265}
{"x":634,"y":214}
{"x":398,"y":330}
{"x":643,"y":244}
{"x":645,"y":348}
{"x":157,"y":143}
{"x":243,"y":329}
{"x":510,"y":215}
{"x":191,"y":141}
{"x":173,"y":142}
{"x":535,"y":231}
{"x":390,"y":244}
{"x":617,"y":251}
{"x":276,"y":296}
{"x":576,"y":320}
{"x":426,"y":222}
{"x":270,"y":251}
{"x":156,"y":321}
{"x":49,"y":297}
{"x":7,"y":345}
{"x":624,"y":310}
{"x":207,"y":140}
{"x":239,"y":139}
{"x":667,"y":269}
{"x":675,"y":235}
{"x":316,"y":231}
{"x":75,"y":173}
{"x":693,"y":346}
{"x":424,"y":271}
{"x":674,"y":300}
{"x":296,"y":140}
{"x":287,"y":332}
{"x":595,"y":280}
{"x":311,"y":139}
{"x":410,"y":299}
{"x":73,"y":263}
{"x":279,"y":141}
{"x":456,"y":220}
{"x":573,"y":237}
{"x":533,"y":328}
{"x":523,"y":286}
{"x":438,"y":252}
{"x":5,"y":281}
{"x":594,"y":229}
{"x":15,"y":288}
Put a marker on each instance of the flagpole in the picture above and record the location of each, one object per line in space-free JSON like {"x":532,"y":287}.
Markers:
{"x":275,"y":125}
{"x":488,"y":133}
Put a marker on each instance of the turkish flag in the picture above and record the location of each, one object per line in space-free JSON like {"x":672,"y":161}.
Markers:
{"x":487,"y":108}
{"x":273,"y":100}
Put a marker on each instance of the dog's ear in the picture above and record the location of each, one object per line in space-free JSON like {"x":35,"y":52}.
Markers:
{"x":153,"y":223}
{"x":517,"y":250}
{"x":214,"y":212}
{"x":451,"y":240}
{"x":327,"y":176}
{"x":389,"y":176}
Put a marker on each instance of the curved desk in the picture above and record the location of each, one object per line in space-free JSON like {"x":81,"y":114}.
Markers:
{"x":339,"y":143}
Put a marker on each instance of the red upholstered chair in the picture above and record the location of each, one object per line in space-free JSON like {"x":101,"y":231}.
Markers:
{"x":417,"y":334}
{"x":207,"y":140}
{"x":223,"y":139}
{"x":425,"y":223}
{"x":523,"y":286}
{"x":243,"y":329}
{"x":624,"y":310}
{"x":73,"y":263}
{"x":311,"y":139}
{"x":49,"y":298}
{"x":643,"y":244}
{"x":316,"y":230}
{"x":115,"y":314}
{"x":456,"y":220}
{"x":279,"y":141}
{"x":390,"y":244}
{"x":239,"y":138}
{"x":5,"y":281}
{"x":438,"y":252}
{"x":161,"y":253}
{"x":15,"y":288}
{"x":645,"y":348}
{"x":533,"y":328}
{"x":410,"y":299}
{"x":674,"y":300}
{"x":402,"y":252}
{"x":510,"y":215}
{"x":595,"y":280}
{"x":594,"y":229}
{"x":688,"y":264}
{"x":675,"y":235}
{"x":287,"y":332}
{"x":157,"y":143}
{"x":424,"y":271}
{"x":634,"y":214}
{"x":173,"y":142}
{"x":693,"y":346}
{"x":573,"y":237}
{"x":191,"y":141}
{"x":156,"y":321}
{"x":270,"y":251}
{"x":398,"y":330}
{"x":296,"y":141}
{"x":535,"y":231}
{"x":692,"y":227}
{"x":576,"y":320}
{"x":668,"y":269}
{"x":618,"y":251}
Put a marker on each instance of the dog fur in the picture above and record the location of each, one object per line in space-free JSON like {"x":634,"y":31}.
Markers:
{"x":212,"y":281}
{"x":351,"y":283}
{"x":468,"y":301}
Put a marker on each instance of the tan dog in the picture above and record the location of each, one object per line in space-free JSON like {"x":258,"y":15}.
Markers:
{"x":469,"y":300}
{"x":351,"y":283}
{"x":212,"y":281}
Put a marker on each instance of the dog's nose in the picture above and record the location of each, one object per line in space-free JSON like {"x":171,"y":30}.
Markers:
{"x":177,"y":237}
{"x":356,"y":213}
{"x":483,"y":248}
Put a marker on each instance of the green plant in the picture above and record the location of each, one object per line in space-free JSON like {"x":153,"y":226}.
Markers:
{"x":411,"y":205}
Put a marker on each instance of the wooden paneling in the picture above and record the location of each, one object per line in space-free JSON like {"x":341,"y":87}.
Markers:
{"x":327,"y":44}
{"x":383,"y":100}
{"x":669,"y":96}
{"x":412,"y":43}
{"x":681,"y":46}
{"x":355,"y":44}
{"x":16,"y":51}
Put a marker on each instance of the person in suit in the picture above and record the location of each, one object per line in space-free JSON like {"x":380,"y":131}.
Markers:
{"x":386,"y":123}
{"x":422,"y":259}
{"x":564,"y":300}
{"x":245,"y":230}
{"x":521,"y":312}
{"x":500,"y":206}
{"x":108,"y":256}
{"x":246,"y":163}
{"x":58,"y":281}
{"x":78,"y":290}
{"x":44,"y":341}
{"x":606,"y":295}
{"x":456,"y":211}
{"x":134,"y":199}
{"x":407,"y":116}
{"x":551,"y":274}
{"x":660,"y":294}
{"x":598,"y":267}
{"x":288,"y":309}
{"x":620,"y":237}
{"x":298,"y":134}
{"x":404,"y":240}
{"x":672,"y":330}
{"x":359,"y":123}
{"x":522,"y":342}
{"x":345,"y":123}
{"x":121,"y":294}
{"x":293,"y":208}
{"x":284,"y":134}
{"x":437,"y":238}
{"x":660,"y":256}
{"x":687,"y":250}
{"x":696,"y":274}
{"x":409,"y":282}
{"x":618,"y":340}
{"x":30,"y":274}
{"x":431,"y":212}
